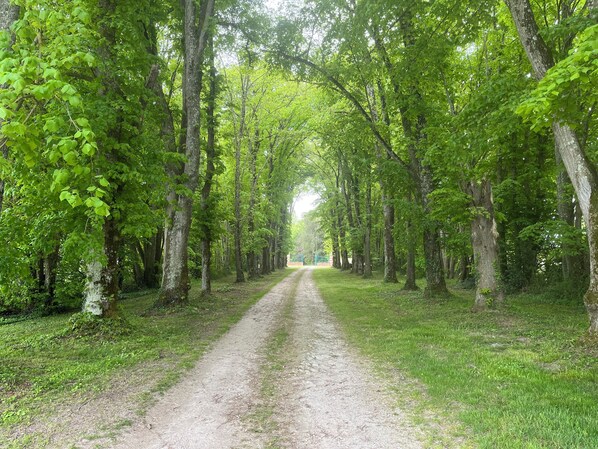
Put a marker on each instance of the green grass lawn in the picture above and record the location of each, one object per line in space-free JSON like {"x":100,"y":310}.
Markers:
{"x":42,"y":366}
{"x":524,"y":376}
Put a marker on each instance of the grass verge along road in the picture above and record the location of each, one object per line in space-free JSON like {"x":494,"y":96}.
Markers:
{"x":523,"y":376}
{"x":48,"y":372}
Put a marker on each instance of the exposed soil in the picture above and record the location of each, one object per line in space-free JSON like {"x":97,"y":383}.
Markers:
{"x":324,"y":395}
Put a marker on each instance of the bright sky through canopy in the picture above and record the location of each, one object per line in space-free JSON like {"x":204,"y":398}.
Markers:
{"x":305,"y":202}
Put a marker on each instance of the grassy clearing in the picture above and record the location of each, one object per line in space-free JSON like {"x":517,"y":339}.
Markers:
{"x":524,"y":376}
{"x":42,"y":368}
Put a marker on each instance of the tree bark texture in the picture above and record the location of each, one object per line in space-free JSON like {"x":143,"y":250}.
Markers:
{"x":205,"y":202}
{"x":580,"y":169}
{"x":367,"y":237}
{"x":410,"y":272}
{"x":175,"y":275}
{"x":253,"y":147}
{"x":336,"y":254}
{"x":239,"y":134}
{"x":150,"y":253}
{"x":436,"y":285}
{"x":342,"y":236}
{"x":101,"y":289}
{"x":485,"y":247}
{"x":390,"y":260}
{"x":280,"y":241}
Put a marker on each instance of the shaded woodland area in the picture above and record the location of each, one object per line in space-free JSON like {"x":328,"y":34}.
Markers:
{"x":148,"y":143}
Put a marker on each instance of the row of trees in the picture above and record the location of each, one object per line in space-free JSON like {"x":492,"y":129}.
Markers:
{"x":129,"y":158}
{"x":445,"y":153}
{"x":444,"y":137}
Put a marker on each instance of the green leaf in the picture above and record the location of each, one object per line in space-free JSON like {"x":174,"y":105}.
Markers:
{"x":88,"y":149}
{"x":74,"y":100}
{"x":102,"y":210}
{"x":71,"y":158}
{"x":82,"y":122}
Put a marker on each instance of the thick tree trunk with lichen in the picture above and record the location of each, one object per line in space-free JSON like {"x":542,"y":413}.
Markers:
{"x":102,"y":287}
{"x":485,"y":246}
{"x":9,"y":14}
{"x":175,"y":275}
{"x":580,"y":169}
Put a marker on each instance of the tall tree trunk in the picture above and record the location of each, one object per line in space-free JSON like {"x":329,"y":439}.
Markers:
{"x":580,"y":169}
{"x":414,"y":129}
{"x":410,"y":283}
{"x":280,"y":241}
{"x":239,"y":135}
{"x":390,"y":262}
{"x":334,"y":236}
{"x":101,"y":290}
{"x":175,"y":274}
{"x":153,"y":257}
{"x":50,"y":268}
{"x":342,"y":234}
{"x":367,"y":237}
{"x":150,"y":253}
{"x":359,"y":226}
{"x":205,"y":203}
{"x":265,"y":260}
{"x":436,"y":284}
{"x":273,"y":253}
{"x":464,"y":268}
{"x":351,"y":221}
{"x":253,"y":147}
{"x":9,"y":14}
{"x":485,"y":247}
{"x":345,"y":265}
{"x":390,"y":258}
{"x":226,"y":250}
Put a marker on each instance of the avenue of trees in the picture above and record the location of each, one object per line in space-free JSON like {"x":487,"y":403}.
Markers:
{"x":146,"y":143}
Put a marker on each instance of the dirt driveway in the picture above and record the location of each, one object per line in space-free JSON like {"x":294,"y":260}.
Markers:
{"x":281,"y":377}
